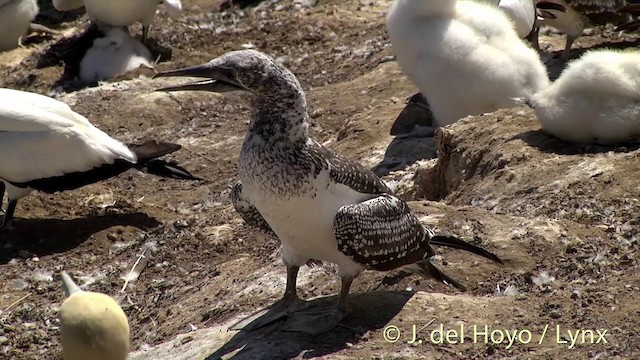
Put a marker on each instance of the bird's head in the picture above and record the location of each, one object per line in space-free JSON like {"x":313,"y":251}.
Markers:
{"x":244,"y":70}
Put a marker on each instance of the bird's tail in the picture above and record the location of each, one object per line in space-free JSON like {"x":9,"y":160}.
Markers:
{"x":68,"y":285}
{"x":456,"y":243}
{"x":149,"y":151}
{"x":427,"y":269}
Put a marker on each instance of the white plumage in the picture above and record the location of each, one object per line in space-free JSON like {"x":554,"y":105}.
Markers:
{"x":465,"y":57}
{"x":114,"y":54}
{"x":47,"y":146}
{"x":595,"y":100}
{"x":15,"y":18}
{"x":122,"y":12}
{"x":522,"y":14}
{"x":41,"y":137}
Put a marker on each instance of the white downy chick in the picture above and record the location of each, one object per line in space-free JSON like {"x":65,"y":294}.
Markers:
{"x":114,"y":54}
{"x":595,"y":100}
{"x":465,"y":56}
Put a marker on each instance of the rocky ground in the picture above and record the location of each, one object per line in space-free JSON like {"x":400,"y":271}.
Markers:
{"x":564,"y":218}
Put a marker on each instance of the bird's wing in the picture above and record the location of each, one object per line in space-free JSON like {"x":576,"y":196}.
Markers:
{"x":382,"y":233}
{"x":347,"y":172}
{"x":35,"y":112}
{"x":247,"y":211}
{"x":174,"y":8}
{"x":41,"y":137}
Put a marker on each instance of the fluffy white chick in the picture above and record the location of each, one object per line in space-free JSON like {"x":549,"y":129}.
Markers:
{"x":595,"y":100}
{"x":114,"y":54}
{"x":465,"y":56}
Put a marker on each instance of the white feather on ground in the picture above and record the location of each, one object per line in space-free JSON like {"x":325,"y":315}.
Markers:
{"x":465,"y":57}
{"x":595,"y":100}
{"x":112,"y":55}
{"x":15,"y":18}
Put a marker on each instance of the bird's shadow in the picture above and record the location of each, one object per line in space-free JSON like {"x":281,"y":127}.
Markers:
{"x":547,"y":143}
{"x":368,"y":311}
{"x":413,"y":130}
{"x":42,"y":237}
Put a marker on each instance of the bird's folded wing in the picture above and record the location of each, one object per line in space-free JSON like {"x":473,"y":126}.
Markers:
{"x":28,"y":156}
{"x":27,"y":111}
{"x":247,"y":211}
{"x":381,"y":233}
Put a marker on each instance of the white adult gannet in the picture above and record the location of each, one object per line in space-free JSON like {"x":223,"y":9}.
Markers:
{"x":114,"y":54}
{"x":92,"y":325}
{"x":123,"y":12}
{"x":15,"y":19}
{"x":570,"y":22}
{"x":46,"y":146}
{"x":320,"y":204}
{"x":596,"y":99}
{"x":465,"y":56}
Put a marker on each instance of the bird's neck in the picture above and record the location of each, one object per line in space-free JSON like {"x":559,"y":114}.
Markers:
{"x":280,"y":119}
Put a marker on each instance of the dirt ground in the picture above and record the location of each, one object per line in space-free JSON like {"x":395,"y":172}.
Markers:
{"x":564,"y":218}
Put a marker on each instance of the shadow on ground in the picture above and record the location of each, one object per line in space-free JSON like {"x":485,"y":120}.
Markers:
{"x":370,"y":311}
{"x":42,"y":237}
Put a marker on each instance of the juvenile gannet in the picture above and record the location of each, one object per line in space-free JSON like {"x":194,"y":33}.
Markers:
{"x":92,"y":325}
{"x":123,"y":12}
{"x":320,"y":204}
{"x":46,"y":146}
{"x":15,"y":19}
{"x":114,"y":54}
{"x":465,"y":56}
{"x":596,"y":99}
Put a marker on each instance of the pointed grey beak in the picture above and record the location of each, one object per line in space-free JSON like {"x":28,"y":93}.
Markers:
{"x":220,"y":80}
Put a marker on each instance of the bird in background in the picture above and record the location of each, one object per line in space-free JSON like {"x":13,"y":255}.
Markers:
{"x":525,"y":15}
{"x":322,"y":206}
{"x":633,"y":10}
{"x":596,"y":99}
{"x":48,"y":147}
{"x":465,"y":57}
{"x":15,"y":21}
{"x":112,"y":55}
{"x":92,"y":325}
{"x":570,"y":22}
{"x":122,"y":12}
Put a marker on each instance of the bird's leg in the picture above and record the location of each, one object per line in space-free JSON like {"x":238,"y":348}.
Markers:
{"x":289,"y":303}
{"x":145,"y":33}
{"x":2,"y":189}
{"x":324,"y":319}
{"x":567,"y":48}
{"x":533,"y":38}
{"x":8,"y":216}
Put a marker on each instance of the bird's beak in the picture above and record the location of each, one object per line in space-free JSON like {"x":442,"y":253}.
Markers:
{"x":550,"y":5}
{"x":219,"y":79}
